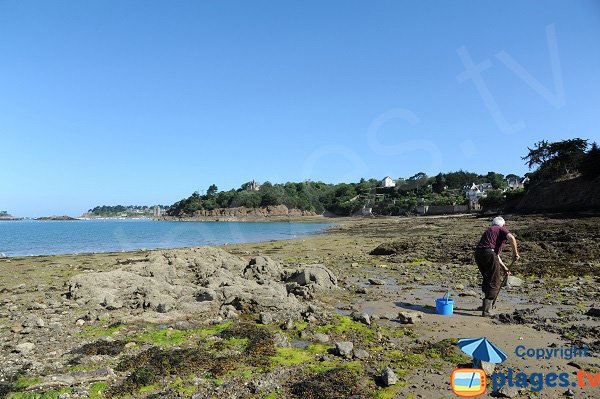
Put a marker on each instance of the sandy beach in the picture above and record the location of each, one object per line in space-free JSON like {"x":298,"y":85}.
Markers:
{"x":346,"y":314}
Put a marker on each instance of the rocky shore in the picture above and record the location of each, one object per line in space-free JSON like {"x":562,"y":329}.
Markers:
{"x":241,"y":214}
{"x":345,"y":314}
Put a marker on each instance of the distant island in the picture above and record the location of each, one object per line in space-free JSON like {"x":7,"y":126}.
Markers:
{"x":126,"y":211}
{"x":4,"y":215}
{"x":64,"y":217}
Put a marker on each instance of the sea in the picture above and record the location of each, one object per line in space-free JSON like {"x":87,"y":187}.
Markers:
{"x":53,"y":237}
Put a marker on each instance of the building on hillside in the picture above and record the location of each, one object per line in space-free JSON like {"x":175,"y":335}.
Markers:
{"x":388,"y":182}
{"x":476,"y":191}
{"x":253,"y":186}
{"x":514,"y":184}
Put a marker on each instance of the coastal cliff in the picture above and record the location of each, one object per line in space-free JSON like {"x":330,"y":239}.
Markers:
{"x":573,"y":195}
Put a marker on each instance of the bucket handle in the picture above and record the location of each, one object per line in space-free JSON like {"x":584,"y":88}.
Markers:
{"x":446,"y":297}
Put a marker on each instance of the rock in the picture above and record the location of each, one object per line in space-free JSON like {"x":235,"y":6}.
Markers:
{"x":321,"y":338}
{"x":344,"y":349}
{"x":508,"y":392}
{"x":80,"y":322}
{"x":111,"y":302}
{"x":288,"y":325}
{"x":593,"y":312}
{"x":263,"y":268}
{"x":468,"y":293}
{"x":362,"y":318}
{"x":410,"y":316}
{"x":16,"y":328}
{"x":281,"y":340}
{"x":459,"y":287}
{"x":388,"y":377}
{"x":487,"y":367}
{"x":389,"y":316}
{"x":265,"y":318}
{"x":317,"y":275}
{"x":34,"y":322}
{"x":514,"y":281}
{"x":354,"y":264}
{"x":361,"y":290}
{"x":361,"y":354}
{"x":24,"y":348}
{"x":376,"y":281}
{"x":569,"y":393}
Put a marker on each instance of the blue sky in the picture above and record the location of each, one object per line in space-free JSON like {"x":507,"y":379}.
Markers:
{"x":144,"y":102}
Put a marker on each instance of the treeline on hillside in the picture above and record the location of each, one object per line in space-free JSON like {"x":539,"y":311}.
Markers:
{"x":344,"y":198}
{"x":550,"y":161}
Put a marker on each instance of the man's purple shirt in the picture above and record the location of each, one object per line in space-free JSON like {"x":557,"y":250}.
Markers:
{"x":494,"y":238}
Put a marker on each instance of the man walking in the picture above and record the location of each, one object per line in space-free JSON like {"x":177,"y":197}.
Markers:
{"x":487,"y":257}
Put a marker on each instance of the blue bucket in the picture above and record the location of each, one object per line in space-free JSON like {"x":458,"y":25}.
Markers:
{"x":444,"y":305}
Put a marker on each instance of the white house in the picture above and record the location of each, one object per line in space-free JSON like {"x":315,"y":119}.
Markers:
{"x":388,"y":182}
{"x":476,"y":191}
{"x":514,"y":184}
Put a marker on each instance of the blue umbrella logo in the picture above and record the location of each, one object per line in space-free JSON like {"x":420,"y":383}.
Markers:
{"x":481,"y":349}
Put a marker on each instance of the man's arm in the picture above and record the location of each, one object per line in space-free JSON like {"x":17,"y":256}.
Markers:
{"x":513,"y":244}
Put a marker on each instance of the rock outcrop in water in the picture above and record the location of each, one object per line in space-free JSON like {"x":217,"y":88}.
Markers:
{"x":201,"y":280}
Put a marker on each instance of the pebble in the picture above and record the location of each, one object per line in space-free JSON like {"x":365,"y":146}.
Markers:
{"x":361,"y":354}
{"x":388,"y":377}
{"x":24,"y":348}
{"x":344,"y":349}
{"x":362,"y":318}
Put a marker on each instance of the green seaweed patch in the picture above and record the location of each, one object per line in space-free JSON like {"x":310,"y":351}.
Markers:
{"x":300,"y":325}
{"x":23,"y":382}
{"x":183,"y":387}
{"x":387,"y":392}
{"x":290,"y":356}
{"x":97,"y":390}
{"x":272,"y":395}
{"x":165,"y":337}
{"x":344,"y":324}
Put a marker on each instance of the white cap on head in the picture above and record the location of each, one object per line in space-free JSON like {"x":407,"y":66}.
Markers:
{"x":498,"y":221}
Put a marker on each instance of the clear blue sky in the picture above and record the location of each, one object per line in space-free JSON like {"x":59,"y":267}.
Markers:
{"x":144,"y":102}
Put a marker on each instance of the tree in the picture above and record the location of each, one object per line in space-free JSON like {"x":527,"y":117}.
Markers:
{"x":496,"y":179}
{"x":439,"y":184}
{"x":555,"y":159}
{"x":212,"y":190}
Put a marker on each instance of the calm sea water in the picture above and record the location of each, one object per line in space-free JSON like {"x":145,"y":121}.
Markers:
{"x":32,"y":237}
